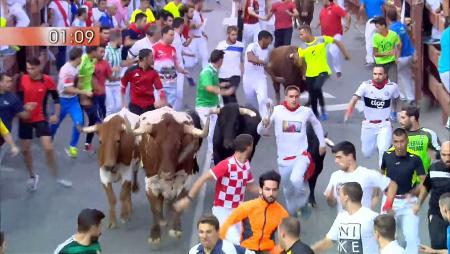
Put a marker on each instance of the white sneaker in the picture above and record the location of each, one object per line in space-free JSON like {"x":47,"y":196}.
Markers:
{"x":32,"y":182}
{"x":64,"y":182}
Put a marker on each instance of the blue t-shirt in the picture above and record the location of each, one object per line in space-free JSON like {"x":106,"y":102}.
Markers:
{"x":402,"y":31}
{"x":106,"y":21}
{"x":373,"y":7}
{"x":10,"y":105}
{"x":444,"y":59}
{"x":448,"y":238}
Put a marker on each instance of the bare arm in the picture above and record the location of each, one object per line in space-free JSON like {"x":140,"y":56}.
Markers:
{"x":185,"y":202}
{"x":253,"y":59}
{"x":322,"y":245}
{"x":422,"y":196}
{"x":342,"y":49}
{"x":391,"y":190}
{"x":351,"y":106}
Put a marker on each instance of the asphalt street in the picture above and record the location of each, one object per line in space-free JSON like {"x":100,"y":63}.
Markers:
{"x":37,"y":222}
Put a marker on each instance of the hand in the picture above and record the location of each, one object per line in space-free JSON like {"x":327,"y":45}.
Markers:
{"x":88,"y":93}
{"x":53,"y":119}
{"x":347,"y":57}
{"x":30,"y":106}
{"x":322,"y":150}
{"x":265,"y":122}
{"x":346,"y":28}
{"x":181,"y":204}
{"x":14,"y":150}
{"x":205,"y":35}
{"x":115,"y":69}
{"x":426,"y":249}
{"x":186,"y":72}
{"x":416,"y":208}
{"x":228,"y":91}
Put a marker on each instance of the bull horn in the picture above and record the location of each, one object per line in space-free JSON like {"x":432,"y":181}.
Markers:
{"x":127,"y":125}
{"x":215,"y":111}
{"x":246,"y":111}
{"x":198,"y":133}
{"x":88,"y":129}
{"x":329,"y":142}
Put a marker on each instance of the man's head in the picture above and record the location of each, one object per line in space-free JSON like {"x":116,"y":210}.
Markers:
{"x":166,"y":18}
{"x":90,"y":223}
{"x":400,"y":140}
{"x":151,"y":30}
{"x":379,"y":73}
{"x":146,"y":57}
{"x":34,"y":69}
{"x":288,"y":230}
{"x":292,"y":96}
{"x":445,"y":154}
{"x":384,"y":227}
{"x":104,"y":34}
{"x":6,"y":82}
{"x":208,"y":231}
{"x":409,"y":116}
{"x":269,"y":183}
{"x":167,"y":34}
{"x":92,"y":51}
{"x":391,"y":14}
{"x":350,"y":193}
{"x":190,"y":8}
{"x":198,"y":4}
{"x":178,"y":24}
{"x":111,"y":9}
{"x":101,"y":4}
{"x":444,"y":206}
{"x":115,"y":38}
{"x":264,"y":39}
{"x":82,"y":13}
{"x":140,"y":20}
{"x":305,"y":33}
{"x":232,"y":34}
{"x":345,"y":154}
{"x":75,"y":55}
{"x":100,"y":52}
{"x":380,"y":24}
{"x":216,"y":58}
{"x":243,"y":143}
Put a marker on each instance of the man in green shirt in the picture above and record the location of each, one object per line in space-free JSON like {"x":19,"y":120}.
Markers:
{"x":386,"y":47}
{"x":85,"y":241}
{"x":209,"y":89}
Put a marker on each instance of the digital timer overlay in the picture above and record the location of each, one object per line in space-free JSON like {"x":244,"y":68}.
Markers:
{"x":50,"y":36}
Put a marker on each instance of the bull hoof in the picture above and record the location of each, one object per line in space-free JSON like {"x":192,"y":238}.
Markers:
{"x":163,"y":223}
{"x":124,"y":220}
{"x":154,"y":241}
{"x":112,"y":225}
{"x":175,"y":233}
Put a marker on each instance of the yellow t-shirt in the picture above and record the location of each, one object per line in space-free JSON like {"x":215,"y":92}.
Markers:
{"x":315,"y":55}
{"x":148,"y":12}
{"x":3,"y":130}
{"x":173,"y":8}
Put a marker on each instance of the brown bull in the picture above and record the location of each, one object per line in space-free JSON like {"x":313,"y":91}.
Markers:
{"x":305,"y":10}
{"x":118,"y":158}
{"x":168,"y":150}
{"x":285,"y":70}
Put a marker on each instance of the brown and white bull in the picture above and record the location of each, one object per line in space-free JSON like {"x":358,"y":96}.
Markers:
{"x":118,"y":158}
{"x":169,"y":144}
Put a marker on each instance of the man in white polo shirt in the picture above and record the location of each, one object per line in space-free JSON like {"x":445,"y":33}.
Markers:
{"x":145,"y":43}
{"x":229,"y":71}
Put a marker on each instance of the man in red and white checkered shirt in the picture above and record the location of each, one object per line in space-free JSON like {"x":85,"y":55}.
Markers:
{"x":232,"y":177}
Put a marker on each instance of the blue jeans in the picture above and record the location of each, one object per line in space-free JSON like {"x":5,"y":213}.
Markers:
{"x":72,"y":107}
{"x":96,"y":112}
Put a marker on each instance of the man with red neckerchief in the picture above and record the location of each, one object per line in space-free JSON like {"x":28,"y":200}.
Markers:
{"x":294,"y":162}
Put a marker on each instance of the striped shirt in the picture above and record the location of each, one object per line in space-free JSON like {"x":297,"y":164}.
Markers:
{"x":70,"y":246}
{"x":114,"y":58}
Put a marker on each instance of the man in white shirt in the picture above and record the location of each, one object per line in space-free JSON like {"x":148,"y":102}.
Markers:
{"x":98,"y":11}
{"x":199,"y":44}
{"x":145,"y":43}
{"x":255,"y":80}
{"x":229,"y":72}
{"x":384,"y":225}
{"x":294,"y":161}
{"x":353,"y":228}
{"x":178,"y":45}
{"x":345,"y":154}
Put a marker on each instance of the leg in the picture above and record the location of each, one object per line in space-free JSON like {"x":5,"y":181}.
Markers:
{"x":261,"y":96}
{"x":112,"y":205}
{"x":297,"y":179}
{"x":250,"y":95}
{"x":101,"y":107}
{"x":92,"y":119}
{"x":156,"y":205}
{"x":313,"y":180}
{"x":288,"y":189}
{"x":410,"y":227}
{"x":65,"y":106}
{"x":178,"y":105}
{"x":437,"y":229}
{"x":109,"y":101}
{"x":170,"y":89}
{"x":203,"y":50}
{"x":279,"y":38}
{"x":313,"y":97}
{"x":176,"y":230}
{"x":125,"y":200}
{"x":368,"y":140}
{"x":392,"y":72}
{"x":384,"y":140}
{"x":335,"y":54}
{"x":369,"y":32}
{"x":26,"y":146}
{"x":76,"y":114}
{"x":288,"y":36}
{"x":46,"y":142}
{"x":234,"y":232}
{"x":445,"y":79}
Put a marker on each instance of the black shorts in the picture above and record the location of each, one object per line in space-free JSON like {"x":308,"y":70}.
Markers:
{"x":139,"y":110}
{"x":26,"y":129}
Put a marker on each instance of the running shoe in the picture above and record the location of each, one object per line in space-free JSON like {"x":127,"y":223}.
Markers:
{"x":71,"y":151}
{"x":64,"y":182}
{"x":32,"y":182}
{"x":88,"y":148}
{"x":305,"y":211}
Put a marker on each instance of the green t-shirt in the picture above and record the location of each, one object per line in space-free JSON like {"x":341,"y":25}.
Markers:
{"x":385,"y":44}
{"x":315,"y":55}
{"x":208,"y":77}
{"x":87,"y":68}
{"x":70,"y":246}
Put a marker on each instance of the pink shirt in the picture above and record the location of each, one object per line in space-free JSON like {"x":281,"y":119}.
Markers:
{"x":121,"y":14}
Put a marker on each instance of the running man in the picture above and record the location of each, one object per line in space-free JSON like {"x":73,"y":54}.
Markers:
{"x":199,"y":44}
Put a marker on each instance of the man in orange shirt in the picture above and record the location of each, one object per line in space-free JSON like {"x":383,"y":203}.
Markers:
{"x":261,"y":215}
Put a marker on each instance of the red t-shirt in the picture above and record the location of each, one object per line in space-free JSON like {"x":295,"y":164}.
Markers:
{"x":282,"y":18}
{"x":330,"y":19}
{"x":142,"y":85}
{"x":101,"y":73}
{"x":248,"y":19}
{"x":36,"y":91}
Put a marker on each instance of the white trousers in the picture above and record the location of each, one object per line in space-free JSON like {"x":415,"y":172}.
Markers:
{"x":170,"y":89}
{"x":199,"y":46}
{"x":375,"y":135}
{"x":407,"y":222}
{"x":250,"y":33}
{"x":234,"y":232}
{"x":334,"y":54}
{"x":405,"y":82}
{"x":370,"y":31}
{"x":113,"y":99}
{"x":255,"y":90}
{"x":202,"y":113}
{"x":178,"y":105}
{"x":294,"y":187}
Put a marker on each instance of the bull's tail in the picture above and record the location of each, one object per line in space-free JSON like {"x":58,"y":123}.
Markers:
{"x":134,"y":180}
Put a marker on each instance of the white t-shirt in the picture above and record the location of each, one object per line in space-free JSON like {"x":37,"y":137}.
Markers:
{"x":261,"y":54}
{"x":66,"y":78}
{"x":58,"y":19}
{"x":96,"y":14}
{"x":392,"y":248}
{"x":18,"y":12}
{"x":197,"y":19}
{"x":178,"y":45}
{"x":354,"y":233}
{"x":232,"y":58}
{"x":367,"y":178}
{"x":143,"y":43}
{"x":78,"y":23}
{"x":377,"y":102}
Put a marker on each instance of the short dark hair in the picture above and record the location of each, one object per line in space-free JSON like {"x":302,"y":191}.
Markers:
{"x":291,"y":226}
{"x":391,"y":13}
{"x":379,"y":20}
{"x":381,"y":66}
{"x":307,"y":28}
{"x":271,"y":175}
{"x":232,"y":28}
{"x":292,"y":87}
{"x":412,"y":111}
{"x":114,"y":35}
{"x":90,"y":49}
{"x":216,"y":56}
{"x":166,"y":29}
{"x":400,"y":132}
{"x":143,"y":53}
{"x":75,"y":53}
{"x":34,"y":61}
{"x":210,"y":220}
{"x":140,"y":16}
{"x":385,"y":225}
{"x":346,"y":147}
{"x":89,"y":217}
{"x":242,"y":141}
{"x":102,"y":28}
{"x":81,"y":11}
{"x":165,"y":15}
{"x":264,"y":34}
{"x":353,"y":190}
{"x":177,"y":22}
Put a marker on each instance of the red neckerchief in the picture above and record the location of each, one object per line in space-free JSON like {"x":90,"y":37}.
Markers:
{"x":288,"y":108}
{"x":379,"y":85}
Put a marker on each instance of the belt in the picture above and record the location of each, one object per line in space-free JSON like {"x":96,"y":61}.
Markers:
{"x":404,"y":196}
{"x":377,"y":121}
{"x":196,"y":36}
{"x":289,"y":158}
